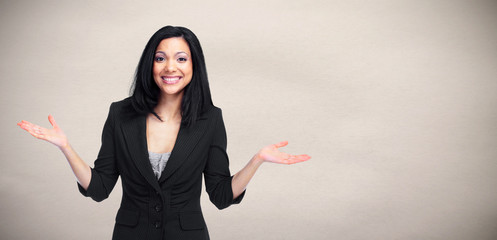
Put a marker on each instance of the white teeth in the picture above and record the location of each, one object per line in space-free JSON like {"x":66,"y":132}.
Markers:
{"x":170,"y":79}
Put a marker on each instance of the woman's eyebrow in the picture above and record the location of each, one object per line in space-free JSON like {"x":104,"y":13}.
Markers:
{"x":182,"y":52}
{"x":174,"y":54}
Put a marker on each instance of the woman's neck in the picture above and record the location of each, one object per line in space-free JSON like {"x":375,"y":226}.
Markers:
{"x":169,"y":107}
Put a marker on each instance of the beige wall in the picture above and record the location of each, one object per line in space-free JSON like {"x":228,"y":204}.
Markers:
{"x":395,"y":101}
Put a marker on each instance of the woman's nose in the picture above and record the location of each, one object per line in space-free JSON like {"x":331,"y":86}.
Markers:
{"x":170,"y":66}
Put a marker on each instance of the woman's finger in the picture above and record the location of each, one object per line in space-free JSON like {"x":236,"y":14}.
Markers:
{"x":281,"y":144}
{"x":297,"y":158}
{"x":24,"y":123}
{"x":25,"y":126}
{"x":302,"y":158}
{"x":34,"y":130}
{"x":52,"y":121}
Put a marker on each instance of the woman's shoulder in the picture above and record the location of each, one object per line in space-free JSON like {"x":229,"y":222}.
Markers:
{"x":212,"y":111}
{"x":122,"y":103}
{"x":122,"y":107}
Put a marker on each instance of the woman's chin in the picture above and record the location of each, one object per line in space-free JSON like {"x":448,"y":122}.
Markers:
{"x":168,"y":91}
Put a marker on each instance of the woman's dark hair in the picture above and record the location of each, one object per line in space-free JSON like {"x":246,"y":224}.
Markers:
{"x":144,"y":91}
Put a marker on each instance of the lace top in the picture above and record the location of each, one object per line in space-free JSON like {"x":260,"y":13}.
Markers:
{"x":158,"y":162}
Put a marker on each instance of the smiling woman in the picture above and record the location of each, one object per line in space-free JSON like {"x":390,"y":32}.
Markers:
{"x":173,"y":68}
{"x":172,"y":62}
{"x":161,"y":141}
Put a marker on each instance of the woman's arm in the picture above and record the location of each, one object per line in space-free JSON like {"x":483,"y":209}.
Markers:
{"x":267,"y":154}
{"x":81,"y":170}
{"x":57,"y":137}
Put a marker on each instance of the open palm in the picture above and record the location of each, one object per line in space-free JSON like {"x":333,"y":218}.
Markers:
{"x":54,"y":135}
{"x":271,"y":153}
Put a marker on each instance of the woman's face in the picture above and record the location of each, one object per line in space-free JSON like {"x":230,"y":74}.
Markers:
{"x":173,"y":66}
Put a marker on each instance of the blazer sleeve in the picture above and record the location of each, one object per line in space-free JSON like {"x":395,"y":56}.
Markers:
{"x":216,"y":173}
{"x":104,"y":174}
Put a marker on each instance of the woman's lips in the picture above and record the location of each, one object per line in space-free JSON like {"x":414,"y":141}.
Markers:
{"x":170,"y":80}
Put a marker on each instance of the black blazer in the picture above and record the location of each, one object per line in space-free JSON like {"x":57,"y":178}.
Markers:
{"x":169,"y":207}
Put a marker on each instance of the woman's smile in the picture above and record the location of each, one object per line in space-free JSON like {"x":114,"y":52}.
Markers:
{"x":171,"y":79}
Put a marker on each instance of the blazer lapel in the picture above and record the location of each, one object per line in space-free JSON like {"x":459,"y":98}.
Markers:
{"x":186,"y":141}
{"x":134,"y":131}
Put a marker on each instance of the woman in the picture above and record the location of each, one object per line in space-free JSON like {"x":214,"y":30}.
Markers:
{"x":169,"y":118}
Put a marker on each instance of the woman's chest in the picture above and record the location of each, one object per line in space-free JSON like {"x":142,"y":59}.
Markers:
{"x":161,"y":136}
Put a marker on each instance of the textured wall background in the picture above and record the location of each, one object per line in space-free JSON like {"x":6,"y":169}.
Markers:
{"x":395,"y":101}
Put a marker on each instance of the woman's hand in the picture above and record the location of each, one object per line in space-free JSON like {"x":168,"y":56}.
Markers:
{"x":272,"y":154}
{"x":266,"y":154}
{"x":55,"y":135}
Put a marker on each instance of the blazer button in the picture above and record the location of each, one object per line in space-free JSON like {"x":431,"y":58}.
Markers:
{"x":157,"y":224}
{"x":158,"y":208}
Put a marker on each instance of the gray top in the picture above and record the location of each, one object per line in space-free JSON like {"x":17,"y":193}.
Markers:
{"x":158,"y":162}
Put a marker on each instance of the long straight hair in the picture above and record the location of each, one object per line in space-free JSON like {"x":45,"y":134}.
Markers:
{"x":145,"y":92}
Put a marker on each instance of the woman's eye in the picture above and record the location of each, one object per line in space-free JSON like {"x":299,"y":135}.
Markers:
{"x":159,"y":59}
{"x":182,"y":59}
